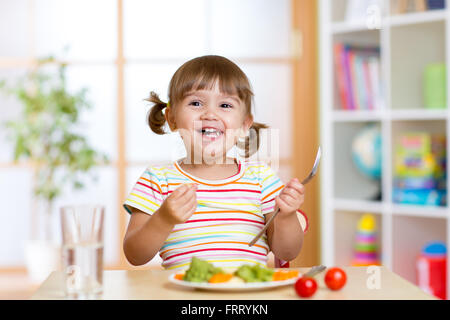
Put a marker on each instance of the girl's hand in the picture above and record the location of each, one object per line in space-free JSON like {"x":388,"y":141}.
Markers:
{"x":180,"y":205}
{"x":291,"y":197}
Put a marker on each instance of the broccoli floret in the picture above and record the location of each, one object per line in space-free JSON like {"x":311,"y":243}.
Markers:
{"x":254,"y":273}
{"x":200,"y":271}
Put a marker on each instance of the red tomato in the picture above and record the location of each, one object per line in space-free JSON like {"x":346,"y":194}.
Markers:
{"x":305,"y":287}
{"x":335,"y":278}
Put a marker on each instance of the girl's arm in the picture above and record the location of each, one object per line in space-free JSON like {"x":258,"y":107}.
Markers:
{"x":285,"y":234}
{"x":146,"y":233}
{"x":145,"y":236}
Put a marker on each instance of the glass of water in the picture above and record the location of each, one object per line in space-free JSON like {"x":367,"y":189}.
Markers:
{"x":82,"y":250}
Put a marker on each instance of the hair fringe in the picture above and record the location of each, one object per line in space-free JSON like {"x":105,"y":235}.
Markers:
{"x":155,"y":118}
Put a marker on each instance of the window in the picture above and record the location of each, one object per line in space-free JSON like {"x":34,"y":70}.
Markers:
{"x":155,"y":37}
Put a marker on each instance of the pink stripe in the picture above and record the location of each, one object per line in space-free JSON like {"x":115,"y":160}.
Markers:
{"x":267,"y":201}
{"x":187,"y":253}
{"x":227,"y":190}
{"x":148,"y":194}
{"x":243,"y":256}
{"x":224,"y":219}
{"x":218,"y":198}
{"x":215,"y":225}
{"x":268,"y":209}
{"x":365,"y":241}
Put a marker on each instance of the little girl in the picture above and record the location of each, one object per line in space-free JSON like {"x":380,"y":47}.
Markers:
{"x":207,"y":204}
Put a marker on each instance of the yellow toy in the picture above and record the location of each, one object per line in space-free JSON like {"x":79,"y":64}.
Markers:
{"x":366,"y":248}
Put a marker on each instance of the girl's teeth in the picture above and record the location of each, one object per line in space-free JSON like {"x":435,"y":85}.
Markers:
{"x":211,"y":132}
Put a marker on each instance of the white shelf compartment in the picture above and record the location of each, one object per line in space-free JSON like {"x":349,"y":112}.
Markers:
{"x":345,"y":171}
{"x":412,"y":48}
{"x":408,"y":43}
{"x":400,"y":127}
{"x":345,"y":229}
{"x":410,"y":234}
{"x":361,"y":38}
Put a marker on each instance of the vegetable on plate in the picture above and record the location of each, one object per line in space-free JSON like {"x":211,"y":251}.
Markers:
{"x":203,"y":271}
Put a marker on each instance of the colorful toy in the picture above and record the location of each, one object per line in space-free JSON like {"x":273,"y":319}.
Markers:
{"x":420,"y":197}
{"x":366,"y":248}
{"x":438,"y":149}
{"x":431,"y":267}
{"x":420,"y":170}
{"x":413,"y":157}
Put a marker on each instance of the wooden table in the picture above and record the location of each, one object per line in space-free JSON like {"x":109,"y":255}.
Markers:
{"x":154,"y":285}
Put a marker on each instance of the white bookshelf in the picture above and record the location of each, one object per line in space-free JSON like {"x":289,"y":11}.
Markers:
{"x":408,"y":42}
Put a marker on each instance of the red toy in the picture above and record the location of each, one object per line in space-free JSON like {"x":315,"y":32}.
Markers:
{"x":432,"y":269}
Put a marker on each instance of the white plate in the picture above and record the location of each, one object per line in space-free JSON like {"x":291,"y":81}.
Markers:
{"x":234,"y":286}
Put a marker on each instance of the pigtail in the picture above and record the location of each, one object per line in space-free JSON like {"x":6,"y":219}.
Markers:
{"x":250,"y":144}
{"x":155,"y":118}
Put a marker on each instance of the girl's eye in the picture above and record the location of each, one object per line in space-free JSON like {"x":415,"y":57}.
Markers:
{"x":195,"y":103}
{"x":226,"y":105}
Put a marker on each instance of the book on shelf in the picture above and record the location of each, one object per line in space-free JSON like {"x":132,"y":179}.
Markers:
{"x":405,"y":6}
{"x":375,"y":82}
{"x":368,"y":84}
{"x":353,"y":79}
{"x":435,"y":4}
{"x":357,"y":76}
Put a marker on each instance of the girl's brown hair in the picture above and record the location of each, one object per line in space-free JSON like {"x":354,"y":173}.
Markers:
{"x":202,"y":73}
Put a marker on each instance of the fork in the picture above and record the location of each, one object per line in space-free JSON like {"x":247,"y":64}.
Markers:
{"x":305,"y":181}
{"x":314,"y":271}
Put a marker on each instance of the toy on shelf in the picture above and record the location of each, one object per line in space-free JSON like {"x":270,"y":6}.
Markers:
{"x":438,"y":149}
{"x":420,"y":170}
{"x":366,"y":154}
{"x":366,"y":248}
{"x":435,"y":86}
{"x":431,"y":268}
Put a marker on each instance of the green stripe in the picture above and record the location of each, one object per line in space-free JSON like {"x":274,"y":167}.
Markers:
{"x":366,"y":247}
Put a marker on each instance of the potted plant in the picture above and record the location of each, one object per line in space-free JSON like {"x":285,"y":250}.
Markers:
{"x":46,"y":136}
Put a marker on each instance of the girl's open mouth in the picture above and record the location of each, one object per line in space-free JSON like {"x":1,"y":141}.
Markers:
{"x":211,"y":134}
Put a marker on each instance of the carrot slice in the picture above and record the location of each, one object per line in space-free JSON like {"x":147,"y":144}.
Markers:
{"x":277,"y":276}
{"x":220,"y":277}
{"x":293,"y":274}
{"x":179,"y":276}
{"x":284,"y":275}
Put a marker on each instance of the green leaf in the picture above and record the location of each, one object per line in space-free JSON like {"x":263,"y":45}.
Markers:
{"x":47,"y":132}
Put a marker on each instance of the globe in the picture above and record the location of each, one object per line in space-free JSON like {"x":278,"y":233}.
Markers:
{"x":366,"y":151}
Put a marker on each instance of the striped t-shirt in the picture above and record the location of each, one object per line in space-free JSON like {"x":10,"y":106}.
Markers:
{"x":230,"y":213}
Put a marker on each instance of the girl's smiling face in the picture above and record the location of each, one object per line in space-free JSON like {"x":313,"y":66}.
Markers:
{"x":209,"y":122}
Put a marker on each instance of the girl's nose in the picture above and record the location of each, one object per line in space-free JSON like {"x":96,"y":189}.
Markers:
{"x":208,"y":114}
